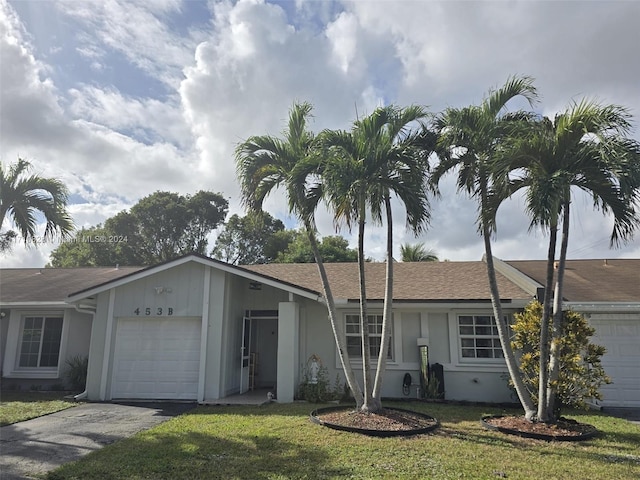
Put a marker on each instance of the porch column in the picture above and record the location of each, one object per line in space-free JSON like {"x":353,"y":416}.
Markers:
{"x":288,"y":351}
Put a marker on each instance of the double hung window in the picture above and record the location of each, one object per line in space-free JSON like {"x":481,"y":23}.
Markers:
{"x":354,"y":340}
{"x":40,"y":344}
{"x":479,"y":337}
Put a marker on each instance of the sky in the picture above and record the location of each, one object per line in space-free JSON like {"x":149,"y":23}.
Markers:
{"x":122,"y":98}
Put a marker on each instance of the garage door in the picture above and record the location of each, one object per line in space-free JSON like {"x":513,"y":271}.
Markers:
{"x":157,"y":358}
{"x":620,"y":334}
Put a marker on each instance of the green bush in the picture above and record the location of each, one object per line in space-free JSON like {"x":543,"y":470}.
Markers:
{"x":76,"y":371}
{"x":321,"y":391}
{"x":581,"y":371}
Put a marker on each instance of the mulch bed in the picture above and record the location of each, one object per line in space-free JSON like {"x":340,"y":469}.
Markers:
{"x":385,"y":419}
{"x":562,"y":429}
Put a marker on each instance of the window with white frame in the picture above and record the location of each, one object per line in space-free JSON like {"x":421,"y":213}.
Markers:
{"x":479,"y":337}
{"x":40,"y":344}
{"x":354,"y":340}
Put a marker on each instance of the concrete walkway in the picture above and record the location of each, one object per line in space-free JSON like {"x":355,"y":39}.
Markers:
{"x":43,"y":444}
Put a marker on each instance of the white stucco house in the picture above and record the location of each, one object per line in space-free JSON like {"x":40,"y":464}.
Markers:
{"x":198,"y":329}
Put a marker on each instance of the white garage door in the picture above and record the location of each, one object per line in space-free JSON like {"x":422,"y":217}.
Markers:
{"x":620,"y":334}
{"x":157,"y":358}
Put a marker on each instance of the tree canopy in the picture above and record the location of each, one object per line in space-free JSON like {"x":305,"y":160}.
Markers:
{"x":161,"y":226}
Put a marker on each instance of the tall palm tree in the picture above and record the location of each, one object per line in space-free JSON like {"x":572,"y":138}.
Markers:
{"x":381,"y":155}
{"x":468,"y":141}
{"x":417,"y":253}
{"x":264,"y":163}
{"x":584,"y":148}
{"x":23,"y":196}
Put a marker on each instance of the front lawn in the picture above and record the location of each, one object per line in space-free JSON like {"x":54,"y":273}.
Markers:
{"x":16,"y":406}
{"x":279,"y":442}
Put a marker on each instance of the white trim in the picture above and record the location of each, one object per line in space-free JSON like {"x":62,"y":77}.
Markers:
{"x":603,"y":306}
{"x":204,"y":331}
{"x":107,"y":345}
{"x":227,"y":268}
{"x":523,"y":281}
{"x":35,"y":304}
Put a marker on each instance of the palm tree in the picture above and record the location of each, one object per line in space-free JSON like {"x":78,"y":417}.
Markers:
{"x":380,"y":156}
{"x":264,"y":163}
{"x":585,"y":148}
{"x":22,"y":196}
{"x":417,"y":253}
{"x":468,"y":140}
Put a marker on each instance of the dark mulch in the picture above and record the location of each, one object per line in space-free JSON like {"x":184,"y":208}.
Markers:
{"x":563,"y":427}
{"x":385,"y":419}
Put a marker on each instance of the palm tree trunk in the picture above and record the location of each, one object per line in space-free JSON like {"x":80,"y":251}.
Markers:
{"x":364,"y":322}
{"x":558,"y":318}
{"x":388,"y":310}
{"x":543,"y":374}
{"x":503,"y":328}
{"x":336,"y":326}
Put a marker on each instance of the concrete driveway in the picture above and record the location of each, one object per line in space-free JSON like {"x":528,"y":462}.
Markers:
{"x":43,"y":444}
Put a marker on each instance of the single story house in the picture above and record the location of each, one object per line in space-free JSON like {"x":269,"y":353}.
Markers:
{"x":198,"y":329}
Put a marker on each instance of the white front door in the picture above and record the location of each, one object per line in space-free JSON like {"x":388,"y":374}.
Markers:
{"x":245,"y":355}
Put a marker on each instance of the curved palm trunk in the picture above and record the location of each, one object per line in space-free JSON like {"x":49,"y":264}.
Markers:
{"x":364,"y":323}
{"x":543,"y":374}
{"x":503,"y":328}
{"x":388,"y":309}
{"x":336,"y":327}
{"x":556,"y":332}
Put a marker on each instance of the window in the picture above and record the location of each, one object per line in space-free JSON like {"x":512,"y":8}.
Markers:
{"x":479,"y":337}
{"x":354,"y":341}
{"x":40,"y":346}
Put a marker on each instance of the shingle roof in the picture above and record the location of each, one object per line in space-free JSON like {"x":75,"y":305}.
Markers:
{"x":615,"y":280}
{"x":52,"y":284}
{"x":419,"y":281}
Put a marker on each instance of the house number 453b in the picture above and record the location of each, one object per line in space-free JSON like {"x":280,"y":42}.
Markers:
{"x":154,"y":311}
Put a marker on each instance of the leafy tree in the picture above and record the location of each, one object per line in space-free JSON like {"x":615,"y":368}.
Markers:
{"x":264,"y":163}
{"x":468,"y":141}
{"x":250,"y":239}
{"x":160,"y":227}
{"x":417,"y":253}
{"x":581,"y":371}
{"x":381,"y":155}
{"x":333,"y":249}
{"x":23,"y":196}
{"x":586,"y":148}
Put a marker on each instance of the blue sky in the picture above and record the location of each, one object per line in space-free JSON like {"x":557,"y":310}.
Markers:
{"x":121,"y":98}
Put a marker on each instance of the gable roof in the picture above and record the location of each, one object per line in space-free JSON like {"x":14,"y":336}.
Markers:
{"x":413,"y":281}
{"x":29,"y":285}
{"x":616,"y":280}
{"x":190,"y":257}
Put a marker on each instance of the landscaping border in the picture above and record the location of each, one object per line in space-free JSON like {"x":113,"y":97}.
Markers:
{"x":374,"y":433}
{"x":592,"y":432}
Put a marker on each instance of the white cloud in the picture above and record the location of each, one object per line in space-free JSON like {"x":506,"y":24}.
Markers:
{"x":229,"y":70}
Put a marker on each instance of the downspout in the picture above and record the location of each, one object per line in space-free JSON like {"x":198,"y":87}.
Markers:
{"x":92,"y":312}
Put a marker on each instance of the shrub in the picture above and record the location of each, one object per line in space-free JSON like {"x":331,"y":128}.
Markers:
{"x":77,"y":371}
{"x":581,"y":371}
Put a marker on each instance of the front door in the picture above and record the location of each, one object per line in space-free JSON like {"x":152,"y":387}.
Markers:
{"x":259,"y":351}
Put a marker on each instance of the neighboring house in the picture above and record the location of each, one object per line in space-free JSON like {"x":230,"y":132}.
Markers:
{"x":607,"y":292}
{"x":195,"y":328}
{"x":39,"y":329}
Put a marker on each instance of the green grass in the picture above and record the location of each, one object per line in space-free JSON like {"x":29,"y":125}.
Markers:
{"x":279,"y":442}
{"x":18,"y":406}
